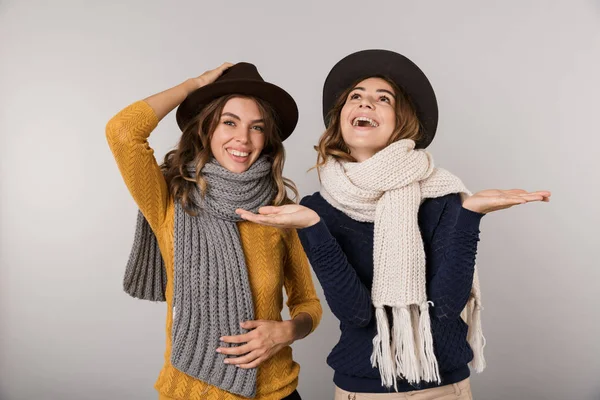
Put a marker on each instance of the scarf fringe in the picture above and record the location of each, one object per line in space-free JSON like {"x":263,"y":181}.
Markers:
{"x":382,"y":351}
{"x":429,"y":365}
{"x":475,"y":334}
{"x":405,"y":349}
{"x":410,"y":354}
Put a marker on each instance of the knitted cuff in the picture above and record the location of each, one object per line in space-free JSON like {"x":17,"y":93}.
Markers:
{"x":315,"y":235}
{"x":468,"y":220}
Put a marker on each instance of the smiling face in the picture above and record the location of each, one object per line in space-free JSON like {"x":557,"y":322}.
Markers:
{"x":239,"y":136}
{"x":368,"y":118}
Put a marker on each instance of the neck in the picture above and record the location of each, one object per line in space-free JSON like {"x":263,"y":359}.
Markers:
{"x":361,"y":155}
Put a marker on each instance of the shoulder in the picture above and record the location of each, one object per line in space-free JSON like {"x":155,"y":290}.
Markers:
{"x":313,"y":201}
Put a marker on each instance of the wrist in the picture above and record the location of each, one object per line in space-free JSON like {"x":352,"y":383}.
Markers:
{"x":471,"y":207}
{"x":290,"y":329}
{"x":190,"y":86}
{"x":313,"y":221}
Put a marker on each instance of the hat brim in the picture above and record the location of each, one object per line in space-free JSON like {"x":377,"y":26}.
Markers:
{"x":400,"y":70}
{"x":284,"y":105}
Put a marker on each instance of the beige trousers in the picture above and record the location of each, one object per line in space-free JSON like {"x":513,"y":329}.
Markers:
{"x":456,"y":391}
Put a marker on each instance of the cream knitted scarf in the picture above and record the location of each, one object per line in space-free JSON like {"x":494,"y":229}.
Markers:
{"x":387,"y":190}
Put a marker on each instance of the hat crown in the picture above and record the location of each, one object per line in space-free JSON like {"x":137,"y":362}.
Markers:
{"x":241,"y":71}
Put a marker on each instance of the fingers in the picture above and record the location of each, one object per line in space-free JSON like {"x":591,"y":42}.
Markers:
{"x":244,"y":338}
{"x":531,"y":197}
{"x":245,"y":360}
{"x":236,"y":350}
{"x":515,"y":191}
{"x":278,"y":221}
{"x":269,"y":210}
{"x":252,"y":324}
{"x":543,"y":193}
{"x":254,"y":363}
{"x":250,"y":216}
{"x":241,"y":211}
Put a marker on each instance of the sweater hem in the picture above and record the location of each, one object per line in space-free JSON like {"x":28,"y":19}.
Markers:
{"x":357,"y":384}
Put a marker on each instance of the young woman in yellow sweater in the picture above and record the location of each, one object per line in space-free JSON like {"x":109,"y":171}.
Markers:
{"x":221,"y":277}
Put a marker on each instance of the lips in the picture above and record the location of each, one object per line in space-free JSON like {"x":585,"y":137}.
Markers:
{"x":363,"y":121}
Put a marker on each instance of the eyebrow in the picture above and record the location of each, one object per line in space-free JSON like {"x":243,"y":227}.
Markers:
{"x":232,"y":115}
{"x":378,"y":91}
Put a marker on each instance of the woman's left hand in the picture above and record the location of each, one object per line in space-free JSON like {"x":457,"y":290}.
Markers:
{"x":263,"y":341}
{"x":490,"y":200}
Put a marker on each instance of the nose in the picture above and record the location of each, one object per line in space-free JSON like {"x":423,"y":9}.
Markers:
{"x":365,"y":102}
{"x":242,"y":134}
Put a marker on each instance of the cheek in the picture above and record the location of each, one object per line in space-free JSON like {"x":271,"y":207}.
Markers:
{"x":345,"y":113}
{"x":258,"y":141}
{"x":389,"y":116}
{"x":219,"y":138}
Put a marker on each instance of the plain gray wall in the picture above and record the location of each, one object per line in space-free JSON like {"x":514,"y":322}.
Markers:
{"x":517,"y":83}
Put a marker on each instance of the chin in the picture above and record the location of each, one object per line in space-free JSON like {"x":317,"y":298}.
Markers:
{"x":237,"y":168}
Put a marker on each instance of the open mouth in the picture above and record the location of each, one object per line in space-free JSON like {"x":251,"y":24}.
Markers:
{"x":365,"y":122}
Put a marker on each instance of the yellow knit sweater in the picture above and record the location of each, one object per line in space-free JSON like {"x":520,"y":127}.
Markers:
{"x":274,"y":258}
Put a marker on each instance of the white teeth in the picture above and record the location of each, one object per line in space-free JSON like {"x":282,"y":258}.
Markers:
{"x":373,"y":123}
{"x":237,"y":153}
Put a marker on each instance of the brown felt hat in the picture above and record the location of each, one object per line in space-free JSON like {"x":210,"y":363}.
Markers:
{"x":242,"y":78}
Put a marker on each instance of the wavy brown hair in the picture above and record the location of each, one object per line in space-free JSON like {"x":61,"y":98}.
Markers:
{"x":331,"y":143}
{"x":194,"y":147}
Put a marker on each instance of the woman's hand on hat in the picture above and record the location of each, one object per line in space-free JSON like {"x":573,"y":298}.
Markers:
{"x":210,"y":76}
{"x":263,"y":341}
{"x":490,"y":200}
{"x":286,"y":216}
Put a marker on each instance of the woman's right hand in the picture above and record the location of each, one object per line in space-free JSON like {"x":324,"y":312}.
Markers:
{"x":287,"y":216}
{"x":164,"y":102}
{"x":209,"y":76}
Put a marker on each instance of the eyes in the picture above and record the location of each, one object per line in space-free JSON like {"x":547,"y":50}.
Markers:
{"x":231,"y":123}
{"x":383,"y":98}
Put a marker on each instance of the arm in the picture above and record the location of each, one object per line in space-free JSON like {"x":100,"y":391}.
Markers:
{"x":347,"y":297}
{"x":454,"y":245}
{"x":452,"y":256}
{"x":127,"y":134}
{"x":303,"y":303}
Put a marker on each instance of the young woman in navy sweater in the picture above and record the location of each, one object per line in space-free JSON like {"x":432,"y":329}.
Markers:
{"x":379,"y":192}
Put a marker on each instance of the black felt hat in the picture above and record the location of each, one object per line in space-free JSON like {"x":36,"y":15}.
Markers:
{"x":399,"y":69}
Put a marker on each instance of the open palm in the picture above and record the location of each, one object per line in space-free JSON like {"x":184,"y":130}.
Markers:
{"x":287,"y":216}
{"x":490,"y":200}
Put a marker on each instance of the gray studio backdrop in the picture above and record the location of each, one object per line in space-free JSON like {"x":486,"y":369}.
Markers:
{"x":517,"y":83}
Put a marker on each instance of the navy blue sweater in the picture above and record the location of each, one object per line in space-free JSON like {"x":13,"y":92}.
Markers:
{"x":340,"y":251}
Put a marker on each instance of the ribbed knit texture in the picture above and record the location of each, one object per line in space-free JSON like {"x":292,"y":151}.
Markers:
{"x":274,"y":259}
{"x":340,"y":250}
{"x":212,"y":293}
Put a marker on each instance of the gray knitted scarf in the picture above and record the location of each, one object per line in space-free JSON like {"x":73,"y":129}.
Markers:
{"x":211,"y":288}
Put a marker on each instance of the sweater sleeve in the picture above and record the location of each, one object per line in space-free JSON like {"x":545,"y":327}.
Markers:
{"x":127,"y":134}
{"x":347,"y":297}
{"x":298,"y":283}
{"x":452,"y":254}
